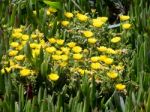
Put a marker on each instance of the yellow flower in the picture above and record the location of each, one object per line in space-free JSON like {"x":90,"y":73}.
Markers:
{"x":92,"y":40}
{"x":68,"y":14}
{"x":23,"y":43}
{"x":112,"y":75}
{"x":81,"y":71}
{"x":35,"y":52}
{"x":103,"y":19}
{"x":82,"y":17}
{"x":63,"y":64}
{"x":77,"y":49}
{"x":95,"y":59}
{"x":56,"y":57}
{"x":52,"y":40}
{"x":17,"y":35}
{"x":110,"y":51}
{"x":33,"y":45}
{"x":14,"y":44}
{"x":34,"y":36}
{"x":97,"y":22}
{"x":71,"y":44}
{"x":53,"y":77}
{"x":120,"y":87}
{"x":77,"y":56}
{"x":19,"y":47}
{"x":88,"y":34}
{"x":25,"y":72}
{"x":8,"y":69}
{"x":53,"y":10}
{"x":85,"y":51}
{"x":64,"y":57}
{"x":58,"y":52}
{"x":38,"y":46}
{"x":17,"y":30}
{"x":66,"y":50}
{"x":126,"y":26}
{"x":65,"y":23}
{"x":108,"y":61}
{"x":11,"y":63}
{"x":13,"y":53}
{"x":20,"y":57}
{"x":50,"y":49}
{"x":102,"y":57}
{"x":102,"y":48}
{"x":95,"y":66}
{"x":124,"y":17}
{"x":115,"y":39}
{"x":60,"y":41}
{"x":25,"y":37}
{"x":42,"y":42}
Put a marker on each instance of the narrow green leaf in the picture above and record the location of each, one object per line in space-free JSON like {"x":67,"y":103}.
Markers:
{"x":56,"y":5}
{"x":93,"y":93}
{"x":28,"y":52}
{"x":148,"y":103}
{"x":44,"y":68}
{"x":13,"y":15}
{"x":122,"y":104}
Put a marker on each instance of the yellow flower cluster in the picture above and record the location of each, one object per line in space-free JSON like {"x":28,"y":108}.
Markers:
{"x":97,"y":58}
{"x":106,"y":50}
{"x":98,"y":22}
{"x":82,"y":17}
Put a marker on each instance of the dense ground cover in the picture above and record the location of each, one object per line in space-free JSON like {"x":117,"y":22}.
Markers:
{"x":63,"y":56}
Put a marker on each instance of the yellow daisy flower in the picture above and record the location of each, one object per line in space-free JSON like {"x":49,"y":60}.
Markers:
{"x":53,"y":76}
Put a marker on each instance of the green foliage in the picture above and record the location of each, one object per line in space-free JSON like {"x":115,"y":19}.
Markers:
{"x":76,"y":94}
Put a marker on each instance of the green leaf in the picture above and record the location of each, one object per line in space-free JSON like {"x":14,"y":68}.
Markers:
{"x":122,"y":104}
{"x":85,"y":86}
{"x":28,"y":106}
{"x":21,"y":97}
{"x":148,"y":104}
{"x":86,"y":105}
{"x":93,"y":93}
{"x":59,"y":103}
{"x":40,"y":96}
{"x":44,"y":68}
{"x":56,"y":5}
{"x":50,"y":104}
{"x":35,"y":107}
{"x":28,"y":52}
{"x":13,"y":15}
